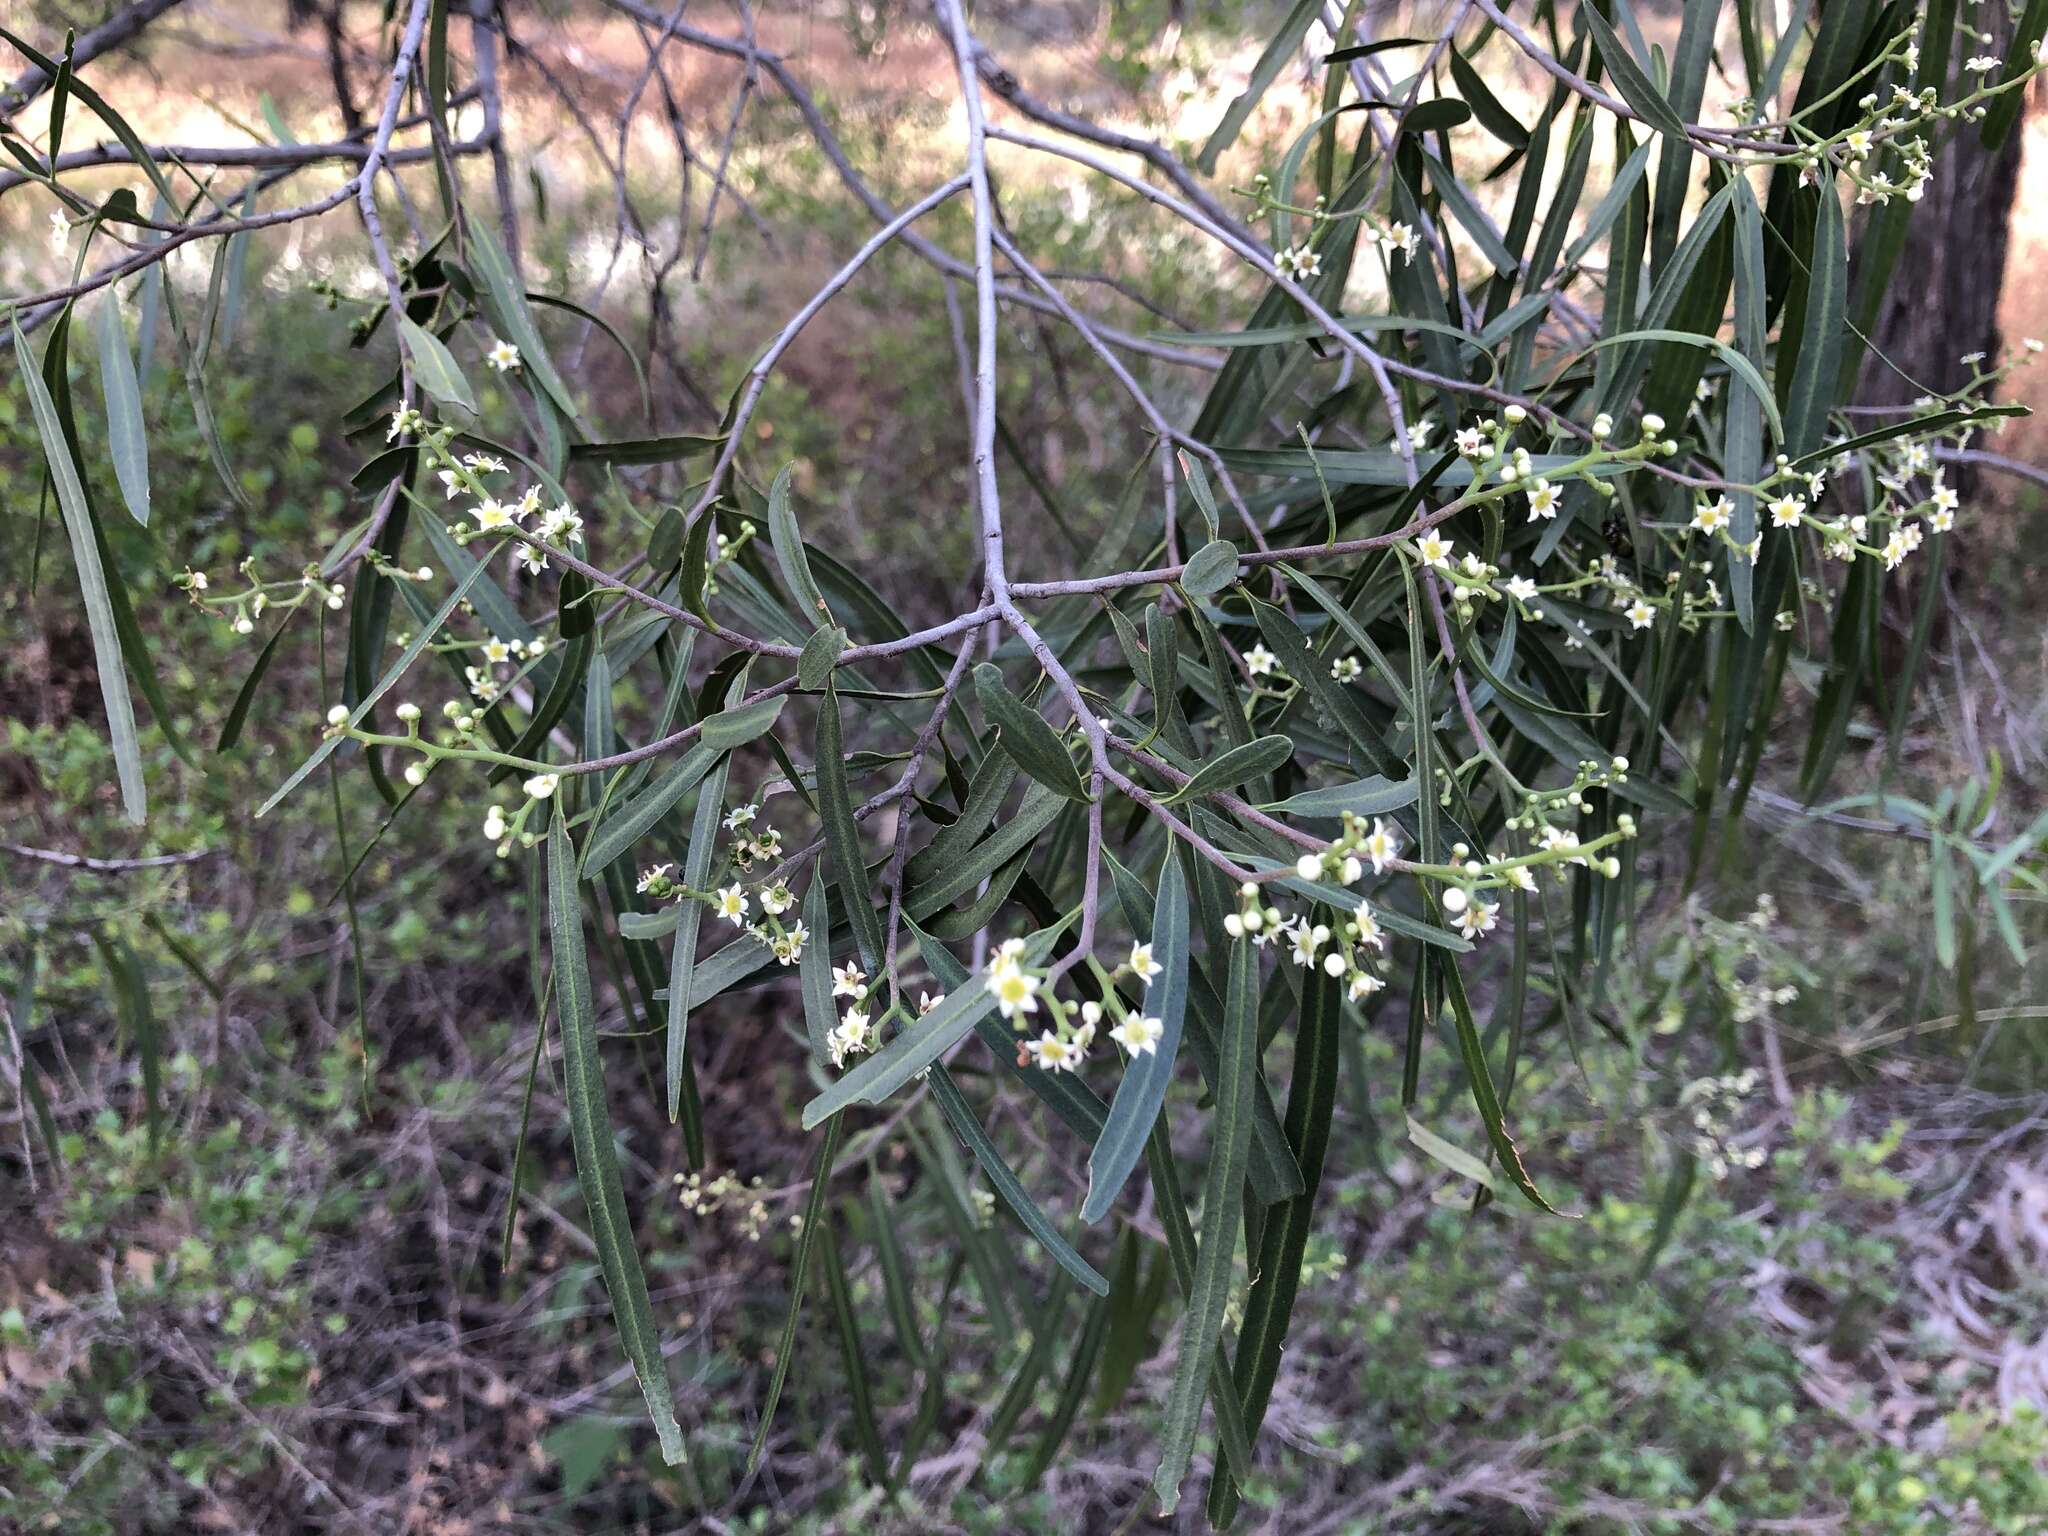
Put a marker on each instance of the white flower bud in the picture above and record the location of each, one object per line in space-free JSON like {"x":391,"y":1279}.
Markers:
{"x":415,"y":774}
{"x":1309,"y":866}
{"x":338,"y":715}
{"x":1455,"y":900}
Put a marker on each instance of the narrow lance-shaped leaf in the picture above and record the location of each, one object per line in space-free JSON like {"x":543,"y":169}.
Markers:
{"x":799,"y":1272}
{"x":960,"y":1116}
{"x":590,"y":1131}
{"x":1222,"y":1200}
{"x":683,"y":960}
{"x":1142,"y":1090}
{"x":92,"y":581}
{"x":789,"y":554}
{"x":842,"y":837}
{"x":1276,"y":1271}
{"x":127,"y":436}
{"x":1034,"y":745}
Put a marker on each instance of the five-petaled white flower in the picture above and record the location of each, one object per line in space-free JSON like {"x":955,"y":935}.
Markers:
{"x":1138,"y":1035}
{"x":1143,"y":966}
{"x":1260,"y":662}
{"x":732,"y":905}
{"x":847,"y":979}
{"x":1435,"y":550}
{"x":1713,"y":516}
{"x":1639,"y":614}
{"x":1787,"y":512}
{"x":503,"y":356}
{"x":1382,"y":844}
{"x":1014,"y":989}
{"x":1369,"y":932}
{"x":1052,"y":1053}
{"x":1543,"y":500}
{"x":1480,"y":917}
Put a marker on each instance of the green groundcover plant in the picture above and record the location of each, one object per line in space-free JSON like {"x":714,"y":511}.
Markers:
{"x":1492,"y":532}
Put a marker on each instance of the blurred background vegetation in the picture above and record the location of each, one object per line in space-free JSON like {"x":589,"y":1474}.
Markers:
{"x":1808,"y":1289}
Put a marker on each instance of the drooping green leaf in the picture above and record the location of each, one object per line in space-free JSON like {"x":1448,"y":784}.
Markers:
{"x":1141,"y":1091}
{"x":1024,"y":734}
{"x":439,"y":374}
{"x":590,"y":1131}
{"x":1222,"y":1198}
{"x":127,"y":435}
{"x":92,"y":581}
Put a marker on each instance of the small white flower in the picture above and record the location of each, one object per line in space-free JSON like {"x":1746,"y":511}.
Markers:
{"x":927,"y":1001}
{"x":732,"y":904}
{"x":503,"y":356}
{"x":1260,"y":662}
{"x":1521,"y":588}
{"x":1400,"y":236}
{"x":1435,"y":550}
{"x":1363,"y":985}
{"x":847,"y":981}
{"x":653,"y":875}
{"x":1471,"y":442}
{"x":1382,"y":844}
{"x":1307,"y":941}
{"x":1370,"y":933}
{"x":1713,"y":516}
{"x":777,"y":899}
{"x":1014,"y":990}
{"x":1346,"y":669}
{"x":542,"y":785}
{"x":492,"y":514}
{"x":1143,"y":966}
{"x":740,"y":816}
{"x":1052,"y":1053}
{"x":1543,"y":501}
{"x":1787,"y":512}
{"x":1138,"y":1035}
{"x":1640,"y":614}
{"x":1478,"y":918}
{"x":496,"y":651}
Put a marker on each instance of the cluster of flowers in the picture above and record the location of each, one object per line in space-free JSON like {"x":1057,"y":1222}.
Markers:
{"x":498,"y":830}
{"x":487,"y":685}
{"x":1019,"y":990}
{"x":558,"y":526}
{"x":1897,"y":124}
{"x":243,"y":607}
{"x":726,"y":1193}
{"x":1710,"y":1104}
{"x":1355,"y":946}
{"x":858,"y":1028}
{"x":752,"y":842}
{"x":1397,"y":238}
